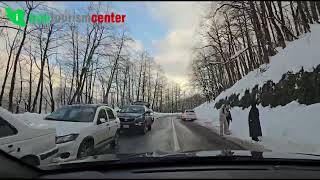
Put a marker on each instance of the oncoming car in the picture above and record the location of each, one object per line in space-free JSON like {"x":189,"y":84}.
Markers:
{"x":136,"y":118}
{"x":188,"y":115}
{"x":81,"y":129}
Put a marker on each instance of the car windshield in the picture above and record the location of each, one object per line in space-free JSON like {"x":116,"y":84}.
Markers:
{"x":132,"y":109}
{"x":190,"y":111}
{"x":73,"y":114}
{"x":102,"y":79}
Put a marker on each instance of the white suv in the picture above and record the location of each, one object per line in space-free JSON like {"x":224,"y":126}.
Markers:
{"x":81,"y":129}
{"x":33,"y":145}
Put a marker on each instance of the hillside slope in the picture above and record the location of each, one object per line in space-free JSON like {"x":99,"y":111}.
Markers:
{"x":289,"y":128}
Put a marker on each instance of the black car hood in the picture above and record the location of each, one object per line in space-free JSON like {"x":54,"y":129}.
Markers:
{"x":233,"y":155}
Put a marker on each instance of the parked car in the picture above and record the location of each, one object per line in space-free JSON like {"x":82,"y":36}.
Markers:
{"x":82,"y":129}
{"x":33,"y":145}
{"x":188,"y":115}
{"x":136,"y":118}
{"x":141,"y":103}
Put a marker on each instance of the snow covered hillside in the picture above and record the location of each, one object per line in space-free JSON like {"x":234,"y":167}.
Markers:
{"x":290,"y":128}
{"x":304,"y":52}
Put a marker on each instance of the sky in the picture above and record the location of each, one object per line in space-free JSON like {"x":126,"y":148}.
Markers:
{"x":167,"y":30}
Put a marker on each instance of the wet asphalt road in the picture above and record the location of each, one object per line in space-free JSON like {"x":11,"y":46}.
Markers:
{"x":170,"y":134}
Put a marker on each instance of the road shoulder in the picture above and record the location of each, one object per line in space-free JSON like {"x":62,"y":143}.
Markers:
{"x":241,"y":142}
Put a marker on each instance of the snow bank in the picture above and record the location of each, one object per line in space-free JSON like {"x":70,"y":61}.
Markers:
{"x":290,"y":128}
{"x":303,"y":52}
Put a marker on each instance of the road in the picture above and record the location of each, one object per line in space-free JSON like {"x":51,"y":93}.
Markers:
{"x":170,"y":134}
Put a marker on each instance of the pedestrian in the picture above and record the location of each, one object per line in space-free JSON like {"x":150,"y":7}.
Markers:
{"x":254,"y":122}
{"x":229,"y":117}
{"x":223,"y":121}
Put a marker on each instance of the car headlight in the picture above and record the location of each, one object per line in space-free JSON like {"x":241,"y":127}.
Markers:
{"x":66,"y":138}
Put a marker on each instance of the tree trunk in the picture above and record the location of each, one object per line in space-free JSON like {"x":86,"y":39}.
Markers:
{"x":314,"y":11}
{"x":13,"y":79}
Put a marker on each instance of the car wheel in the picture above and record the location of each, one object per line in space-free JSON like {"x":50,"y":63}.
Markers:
{"x":85,"y":149}
{"x":115,"y":142}
{"x":31,"y":160}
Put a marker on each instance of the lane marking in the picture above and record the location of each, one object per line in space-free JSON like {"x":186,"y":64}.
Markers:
{"x":175,"y":138}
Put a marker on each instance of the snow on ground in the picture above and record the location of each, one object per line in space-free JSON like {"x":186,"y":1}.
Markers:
{"x":158,"y":114}
{"x":302,"y":52}
{"x":290,"y":128}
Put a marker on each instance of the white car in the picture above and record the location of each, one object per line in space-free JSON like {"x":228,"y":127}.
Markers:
{"x":81,"y":129}
{"x":33,"y":145}
{"x":188,"y":115}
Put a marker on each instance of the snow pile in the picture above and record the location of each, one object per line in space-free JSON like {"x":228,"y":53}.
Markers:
{"x":303,"y":52}
{"x":290,"y":128}
{"x":32,"y":119}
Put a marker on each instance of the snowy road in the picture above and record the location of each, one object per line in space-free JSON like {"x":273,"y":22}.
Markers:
{"x":170,"y":134}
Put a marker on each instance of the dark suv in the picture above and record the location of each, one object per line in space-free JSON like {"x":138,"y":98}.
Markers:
{"x":136,"y":118}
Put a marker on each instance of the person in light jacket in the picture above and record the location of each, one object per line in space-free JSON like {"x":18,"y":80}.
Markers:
{"x":254,"y":122}
{"x":224,"y":129}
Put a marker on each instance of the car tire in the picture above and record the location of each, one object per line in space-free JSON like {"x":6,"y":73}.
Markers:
{"x":115,"y":142}
{"x":31,"y":160}
{"x":85,"y":149}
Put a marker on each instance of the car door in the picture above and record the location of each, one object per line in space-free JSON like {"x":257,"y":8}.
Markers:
{"x":101,"y":127}
{"x":113,"y":123}
{"x":7,"y":139}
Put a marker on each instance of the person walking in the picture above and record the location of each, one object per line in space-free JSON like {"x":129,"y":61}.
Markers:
{"x":223,"y":121}
{"x":229,"y":117}
{"x":254,"y":122}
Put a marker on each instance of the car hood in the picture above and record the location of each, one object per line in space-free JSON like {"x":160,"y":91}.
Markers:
{"x":129,"y":115}
{"x":65,"y":128}
{"x":222,"y":155}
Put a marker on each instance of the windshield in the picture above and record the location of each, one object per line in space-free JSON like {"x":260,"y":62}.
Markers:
{"x":132,"y":109}
{"x":190,"y":111}
{"x":73,"y":114}
{"x":118,"y":78}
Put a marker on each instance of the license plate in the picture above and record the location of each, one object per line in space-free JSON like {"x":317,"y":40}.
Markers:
{"x":126,"y":126}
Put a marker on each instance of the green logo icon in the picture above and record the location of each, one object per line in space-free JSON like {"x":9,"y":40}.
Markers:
{"x":16,"y":16}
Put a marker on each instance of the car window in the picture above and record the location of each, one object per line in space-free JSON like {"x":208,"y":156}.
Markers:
{"x":102,"y":114}
{"x":6,"y":129}
{"x":73,"y":114}
{"x":110,"y":114}
{"x":133,"y":109}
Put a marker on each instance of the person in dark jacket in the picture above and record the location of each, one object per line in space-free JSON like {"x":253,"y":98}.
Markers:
{"x":229,"y":118}
{"x":254,"y":122}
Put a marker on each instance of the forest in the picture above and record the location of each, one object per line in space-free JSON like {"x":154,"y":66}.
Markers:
{"x":240,"y":36}
{"x":44,"y":67}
